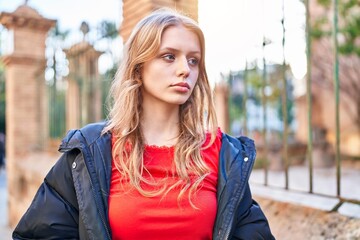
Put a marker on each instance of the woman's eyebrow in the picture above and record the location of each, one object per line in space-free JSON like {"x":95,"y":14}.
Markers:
{"x":177,"y":50}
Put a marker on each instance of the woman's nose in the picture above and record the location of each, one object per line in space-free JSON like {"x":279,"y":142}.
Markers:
{"x":183,"y":68}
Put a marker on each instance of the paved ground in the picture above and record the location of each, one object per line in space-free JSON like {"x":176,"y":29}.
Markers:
{"x":324,"y":180}
{"x":324,"y":187}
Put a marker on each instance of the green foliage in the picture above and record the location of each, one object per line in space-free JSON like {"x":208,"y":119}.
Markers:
{"x":318,"y":31}
{"x":57,"y":119}
{"x":349,"y":14}
{"x":235,"y":107}
{"x":56,"y":100}
{"x":236,"y":99}
{"x":289,"y":108}
{"x":55,"y":32}
{"x":108,"y":30}
{"x":254,"y":79}
{"x":106,"y":84}
{"x":351,"y":33}
{"x":325,"y":3}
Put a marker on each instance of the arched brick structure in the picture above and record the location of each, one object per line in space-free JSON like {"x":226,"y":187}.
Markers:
{"x":26,"y":109}
{"x":83,"y":98}
{"x":133,"y":11}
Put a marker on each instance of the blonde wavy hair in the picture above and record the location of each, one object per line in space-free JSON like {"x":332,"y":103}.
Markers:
{"x":197,"y":115}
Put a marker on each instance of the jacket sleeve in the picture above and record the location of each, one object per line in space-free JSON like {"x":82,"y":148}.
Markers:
{"x":251,"y":222}
{"x":53,"y":213}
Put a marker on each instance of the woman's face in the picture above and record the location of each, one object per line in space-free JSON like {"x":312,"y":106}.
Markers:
{"x":171,"y":75}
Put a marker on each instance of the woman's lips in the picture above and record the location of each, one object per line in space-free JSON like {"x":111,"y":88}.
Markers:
{"x":181,"y":84}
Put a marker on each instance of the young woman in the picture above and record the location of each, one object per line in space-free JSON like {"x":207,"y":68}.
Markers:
{"x":159,"y":168}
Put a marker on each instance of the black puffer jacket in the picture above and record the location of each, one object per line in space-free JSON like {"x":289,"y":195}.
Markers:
{"x":72,"y":203}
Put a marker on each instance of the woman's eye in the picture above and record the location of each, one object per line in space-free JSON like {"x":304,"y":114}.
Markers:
{"x":168,"y":57}
{"x":193,"y":61}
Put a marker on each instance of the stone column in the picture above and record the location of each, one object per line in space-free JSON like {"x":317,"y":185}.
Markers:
{"x":133,"y":11}
{"x":25,"y":84}
{"x":26,"y":105}
{"x":83,"y":100}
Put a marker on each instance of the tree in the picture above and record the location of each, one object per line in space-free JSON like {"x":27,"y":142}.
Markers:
{"x":254,"y":85}
{"x":109,"y":32}
{"x":107,"y":78}
{"x":349,"y":11}
{"x":108,"y":29}
{"x":349,"y":49}
{"x":56,"y":63}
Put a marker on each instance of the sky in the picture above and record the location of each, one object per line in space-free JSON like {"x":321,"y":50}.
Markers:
{"x":233,"y":29}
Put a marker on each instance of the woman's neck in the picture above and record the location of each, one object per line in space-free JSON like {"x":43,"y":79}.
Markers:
{"x":160,"y":125}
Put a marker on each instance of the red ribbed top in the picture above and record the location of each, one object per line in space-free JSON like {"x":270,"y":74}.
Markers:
{"x":133,"y":216}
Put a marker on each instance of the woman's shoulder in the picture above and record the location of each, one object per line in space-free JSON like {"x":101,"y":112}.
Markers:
{"x":93,"y":130}
{"x":83,"y":136}
{"x":243,"y":143}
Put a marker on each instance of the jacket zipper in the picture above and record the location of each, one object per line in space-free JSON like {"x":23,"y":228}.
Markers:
{"x":228,"y":228}
{"x":97,"y":206}
{"x":94,"y":195}
{"x":66,"y":148}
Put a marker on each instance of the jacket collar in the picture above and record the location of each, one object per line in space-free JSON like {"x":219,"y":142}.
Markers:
{"x":237,"y":156}
{"x":231,"y":149}
{"x":85,"y":136}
